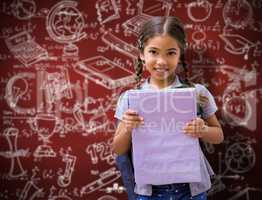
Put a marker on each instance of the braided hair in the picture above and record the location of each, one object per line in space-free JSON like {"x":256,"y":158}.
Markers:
{"x":139,"y":65}
{"x":184,"y":77}
{"x":162,"y":25}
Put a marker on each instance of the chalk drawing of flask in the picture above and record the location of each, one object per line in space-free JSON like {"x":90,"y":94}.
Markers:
{"x":16,"y":169}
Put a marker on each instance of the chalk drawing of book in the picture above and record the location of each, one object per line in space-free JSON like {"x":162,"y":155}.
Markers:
{"x":120,"y":45}
{"x":104,"y":72}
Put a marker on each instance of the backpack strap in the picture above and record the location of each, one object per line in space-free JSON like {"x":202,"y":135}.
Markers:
{"x":124,"y":163}
{"x":125,"y":166}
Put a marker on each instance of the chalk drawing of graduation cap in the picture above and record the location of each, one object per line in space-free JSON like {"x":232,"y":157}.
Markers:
{"x":236,"y":44}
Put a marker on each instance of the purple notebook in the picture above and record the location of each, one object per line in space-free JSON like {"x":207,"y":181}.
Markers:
{"x":162,"y":153}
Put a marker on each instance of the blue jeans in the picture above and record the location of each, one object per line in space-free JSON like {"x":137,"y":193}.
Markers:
{"x":179,"y":191}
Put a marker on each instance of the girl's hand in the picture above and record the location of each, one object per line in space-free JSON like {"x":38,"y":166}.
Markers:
{"x":132,"y":120}
{"x":196,"y":128}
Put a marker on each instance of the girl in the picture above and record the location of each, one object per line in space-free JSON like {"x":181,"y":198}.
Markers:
{"x":162,"y":42}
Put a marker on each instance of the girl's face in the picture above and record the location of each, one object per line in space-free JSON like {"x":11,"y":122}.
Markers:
{"x":161,"y":55}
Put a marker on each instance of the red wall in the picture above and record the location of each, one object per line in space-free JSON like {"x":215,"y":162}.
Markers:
{"x":57,"y":109}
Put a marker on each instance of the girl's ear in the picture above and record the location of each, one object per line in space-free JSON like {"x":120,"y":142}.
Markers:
{"x":142,"y":57}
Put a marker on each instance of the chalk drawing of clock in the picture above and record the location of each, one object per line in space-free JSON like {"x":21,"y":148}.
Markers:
{"x":237,"y":13}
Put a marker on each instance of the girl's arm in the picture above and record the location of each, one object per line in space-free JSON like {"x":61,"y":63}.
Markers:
{"x":212,"y":132}
{"x":122,"y":138}
{"x":209,"y":130}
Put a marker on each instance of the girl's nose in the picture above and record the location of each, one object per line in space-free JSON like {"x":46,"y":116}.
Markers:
{"x":161,"y":60}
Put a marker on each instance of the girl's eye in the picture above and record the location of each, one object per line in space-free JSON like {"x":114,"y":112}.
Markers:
{"x":171,"y":53}
{"x":152,"y":52}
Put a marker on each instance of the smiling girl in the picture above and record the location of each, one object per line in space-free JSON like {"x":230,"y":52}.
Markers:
{"x":162,"y":43}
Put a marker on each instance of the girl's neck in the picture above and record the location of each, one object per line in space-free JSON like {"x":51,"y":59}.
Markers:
{"x":161,"y":84}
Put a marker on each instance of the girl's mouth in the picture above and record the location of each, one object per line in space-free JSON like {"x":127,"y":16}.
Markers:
{"x":162,"y":70}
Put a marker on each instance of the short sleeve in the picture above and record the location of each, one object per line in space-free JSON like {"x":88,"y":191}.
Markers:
{"x":209,"y":107}
{"x":122,"y":105}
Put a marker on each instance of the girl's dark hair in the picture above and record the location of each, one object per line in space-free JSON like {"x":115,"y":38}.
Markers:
{"x":157,"y":26}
